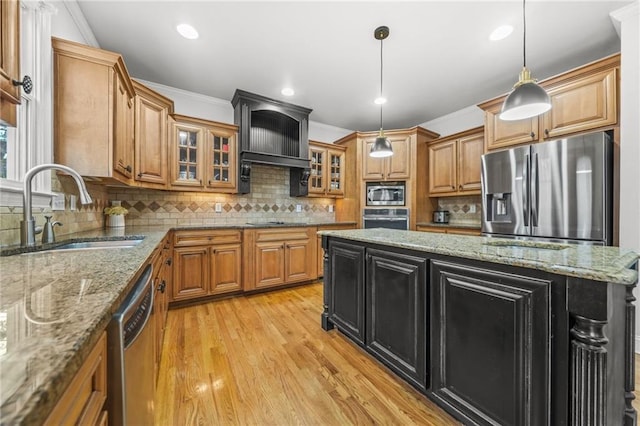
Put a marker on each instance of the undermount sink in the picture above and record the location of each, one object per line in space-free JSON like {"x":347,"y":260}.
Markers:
{"x":526,"y":244}
{"x":83,"y":245}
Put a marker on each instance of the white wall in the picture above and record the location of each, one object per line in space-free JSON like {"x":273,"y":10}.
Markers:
{"x":628,"y":19}
{"x":458,"y":121}
{"x":69,"y":23}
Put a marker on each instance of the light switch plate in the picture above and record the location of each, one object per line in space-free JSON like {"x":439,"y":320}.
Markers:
{"x":218,"y":207}
{"x":472,"y":208}
{"x":298,"y":208}
{"x":57,"y":201}
{"x":72,"y":203}
{"x":330,"y":208}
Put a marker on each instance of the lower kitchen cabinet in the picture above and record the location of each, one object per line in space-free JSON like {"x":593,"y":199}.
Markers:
{"x":344,"y":290}
{"x":319,"y":250}
{"x":490,"y":345}
{"x":396,"y":321}
{"x":161,"y":282}
{"x":278,"y":256}
{"x":206,"y":262}
{"x":83,"y":403}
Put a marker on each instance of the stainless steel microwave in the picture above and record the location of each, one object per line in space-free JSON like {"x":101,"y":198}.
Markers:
{"x":385,"y":194}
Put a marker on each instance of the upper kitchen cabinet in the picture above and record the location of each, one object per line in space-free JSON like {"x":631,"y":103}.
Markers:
{"x":202,"y":155}
{"x":454,"y":163}
{"x":327,"y":170}
{"x":93,"y":112}
{"x":151,"y":128}
{"x":395,"y":167}
{"x":9,"y":60}
{"x":584,"y":99}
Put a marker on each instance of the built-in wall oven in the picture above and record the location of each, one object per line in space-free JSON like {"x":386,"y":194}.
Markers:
{"x":391,"y":218}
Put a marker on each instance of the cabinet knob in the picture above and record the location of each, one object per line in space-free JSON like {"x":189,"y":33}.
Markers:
{"x":168,"y":262}
{"x":460,"y":187}
{"x":533,"y":135}
{"x":26,"y":83}
{"x":139,"y":175}
{"x":128,"y":168}
{"x":546,"y":132}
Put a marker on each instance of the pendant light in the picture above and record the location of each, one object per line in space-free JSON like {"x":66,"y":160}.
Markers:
{"x":527,"y":98}
{"x":381,"y":147}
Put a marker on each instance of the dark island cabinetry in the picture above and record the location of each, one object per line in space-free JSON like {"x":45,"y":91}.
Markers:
{"x":345,"y":308}
{"x":397,"y":315}
{"x":506,"y":333}
{"x":495,"y":325}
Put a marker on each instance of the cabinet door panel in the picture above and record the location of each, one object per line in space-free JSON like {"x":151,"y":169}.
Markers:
{"x":151,"y":142}
{"x":397,"y":319}
{"x":346,"y":289}
{"x":399,"y":164}
{"x":191,"y":276}
{"x":269,"y":264}
{"x":372,"y":168}
{"x":470,"y":150}
{"x":122,"y":129}
{"x":226,"y":274}
{"x":588,"y":103}
{"x":491,"y":344}
{"x":501,"y":134}
{"x":442,"y":167}
{"x":298,"y":261}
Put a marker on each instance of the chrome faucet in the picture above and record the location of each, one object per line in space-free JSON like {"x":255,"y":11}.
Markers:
{"x":28,"y":228}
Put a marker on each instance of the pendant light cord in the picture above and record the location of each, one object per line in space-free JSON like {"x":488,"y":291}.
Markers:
{"x":524,"y":36}
{"x":381,"y":40}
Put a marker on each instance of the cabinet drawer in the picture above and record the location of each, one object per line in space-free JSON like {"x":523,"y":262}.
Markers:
{"x":281,"y":234}
{"x":206,"y":237}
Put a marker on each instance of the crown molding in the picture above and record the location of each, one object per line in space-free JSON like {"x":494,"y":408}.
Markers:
{"x":74,"y":10}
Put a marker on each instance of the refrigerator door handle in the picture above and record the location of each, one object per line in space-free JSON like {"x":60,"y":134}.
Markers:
{"x":525,"y":190}
{"x":534,"y":191}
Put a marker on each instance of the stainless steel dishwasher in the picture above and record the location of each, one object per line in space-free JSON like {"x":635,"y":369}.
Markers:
{"x":130,"y":336}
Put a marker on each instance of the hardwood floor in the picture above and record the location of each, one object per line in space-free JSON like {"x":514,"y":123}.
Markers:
{"x":265,"y":360}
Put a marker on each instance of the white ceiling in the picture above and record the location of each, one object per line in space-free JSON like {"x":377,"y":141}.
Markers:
{"x":438,"y":58}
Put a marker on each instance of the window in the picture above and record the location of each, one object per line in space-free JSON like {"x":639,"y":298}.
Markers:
{"x":30,"y":142}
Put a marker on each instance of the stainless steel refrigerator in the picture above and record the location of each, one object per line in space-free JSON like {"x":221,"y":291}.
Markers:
{"x":557,"y":191}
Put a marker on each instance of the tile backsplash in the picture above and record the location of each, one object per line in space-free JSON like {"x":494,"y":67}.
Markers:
{"x":460,"y":209}
{"x":268,"y":200}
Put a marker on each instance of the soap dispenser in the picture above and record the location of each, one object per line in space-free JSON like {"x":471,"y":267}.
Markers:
{"x":48,"y":236}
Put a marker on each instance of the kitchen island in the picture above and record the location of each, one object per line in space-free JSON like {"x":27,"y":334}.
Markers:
{"x":495,"y":331}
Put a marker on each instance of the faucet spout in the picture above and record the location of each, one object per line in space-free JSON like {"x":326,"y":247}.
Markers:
{"x":28,"y":228}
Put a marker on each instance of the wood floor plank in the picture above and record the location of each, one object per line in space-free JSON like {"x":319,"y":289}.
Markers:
{"x":265,"y":360}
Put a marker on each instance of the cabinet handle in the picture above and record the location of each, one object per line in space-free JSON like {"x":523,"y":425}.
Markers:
{"x":453,"y":187}
{"x":139,"y":175}
{"x":26,"y":84}
{"x":460,"y":187}
{"x":546,"y":132}
{"x":209,"y":182}
{"x":128,"y":168}
{"x":162,"y":286}
{"x":168,"y":262}
{"x":533,"y":135}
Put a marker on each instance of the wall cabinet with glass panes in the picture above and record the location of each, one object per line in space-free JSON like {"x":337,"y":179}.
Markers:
{"x":203,"y":155}
{"x":327,"y":170}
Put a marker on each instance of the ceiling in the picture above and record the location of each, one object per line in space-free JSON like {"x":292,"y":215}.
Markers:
{"x":437,"y":59}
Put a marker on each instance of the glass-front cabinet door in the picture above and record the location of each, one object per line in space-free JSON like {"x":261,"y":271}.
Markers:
{"x":317,"y":180}
{"x":335,"y":175}
{"x":221,"y":161}
{"x":188,"y":149}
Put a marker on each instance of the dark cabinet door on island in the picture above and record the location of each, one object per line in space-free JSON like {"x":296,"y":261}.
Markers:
{"x":396,"y":318}
{"x":346,"y":307}
{"x":490,"y":344}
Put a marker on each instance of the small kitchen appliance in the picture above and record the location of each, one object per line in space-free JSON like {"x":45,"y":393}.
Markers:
{"x":385,"y":194}
{"x":441,"y":216}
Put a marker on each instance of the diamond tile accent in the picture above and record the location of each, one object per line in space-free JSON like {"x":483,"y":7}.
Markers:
{"x":465,"y":208}
{"x":154,"y":206}
{"x":265,"y":208}
{"x":227,"y":207}
{"x":291,"y":208}
{"x":237,"y":207}
{"x":247,"y":207}
{"x":139,"y":206}
{"x":194,"y":206}
{"x":180,"y":206}
{"x":274,"y":208}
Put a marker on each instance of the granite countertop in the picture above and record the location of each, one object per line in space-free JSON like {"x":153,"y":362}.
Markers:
{"x":608,"y":264}
{"x":55,"y":304}
{"x":450,"y":225}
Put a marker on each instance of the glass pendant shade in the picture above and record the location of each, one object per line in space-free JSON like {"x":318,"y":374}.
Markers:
{"x":526,"y":100}
{"x":381,"y":147}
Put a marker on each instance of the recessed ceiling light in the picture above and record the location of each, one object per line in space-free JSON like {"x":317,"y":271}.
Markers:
{"x":187,"y":31}
{"x":501,"y":32}
{"x":380,"y":100}
{"x":288,"y":91}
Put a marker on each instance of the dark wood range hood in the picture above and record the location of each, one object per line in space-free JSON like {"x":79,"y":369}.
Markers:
{"x":272,"y":132}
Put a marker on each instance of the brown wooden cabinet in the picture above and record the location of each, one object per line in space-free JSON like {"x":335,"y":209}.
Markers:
{"x":327,"y":170}
{"x":206,"y":262}
{"x":584,"y":99}
{"x":9,"y":60}
{"x":151,"y":142}
{"x":395,"y":167}
{"x":278,"y":256}
{"x":454,"y":164}
{"x":93,"y":112}
{"x":83,"y":403}
{"x":448,"y":230}
{"x":162,"y":270}
{"x":203,"y":155}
